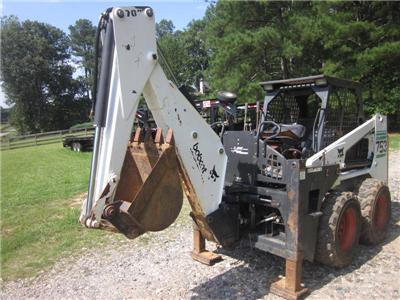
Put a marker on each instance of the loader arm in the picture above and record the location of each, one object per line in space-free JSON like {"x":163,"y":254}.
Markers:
{"x":130,"y":68}
{"x":374,"y":130}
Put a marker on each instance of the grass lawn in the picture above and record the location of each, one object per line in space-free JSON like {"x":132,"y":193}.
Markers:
{"x":394,"y":141}
{"x":39,"y":211}
{"x":38,"y":222}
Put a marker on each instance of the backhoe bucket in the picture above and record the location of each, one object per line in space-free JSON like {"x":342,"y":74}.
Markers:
{"x":149,"y":195}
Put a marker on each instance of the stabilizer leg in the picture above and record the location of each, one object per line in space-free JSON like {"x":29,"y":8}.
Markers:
{"x":199,"y":251}
{"x":290,"y":287}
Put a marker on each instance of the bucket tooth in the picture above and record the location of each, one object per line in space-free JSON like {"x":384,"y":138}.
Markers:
{"x":158,"y":140}
{"x":149,"y":195}
{"x":137,"y":135}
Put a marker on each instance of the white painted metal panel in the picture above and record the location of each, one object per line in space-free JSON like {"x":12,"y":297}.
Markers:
{"x":199,"y":147}
{"x":136,"y":70}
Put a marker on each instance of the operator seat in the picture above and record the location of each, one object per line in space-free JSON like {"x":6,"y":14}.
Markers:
{"x":288,"y":141}
{"x":295,"y":131}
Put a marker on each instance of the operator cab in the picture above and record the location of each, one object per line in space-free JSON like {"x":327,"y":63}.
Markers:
{"x":299,"y":120}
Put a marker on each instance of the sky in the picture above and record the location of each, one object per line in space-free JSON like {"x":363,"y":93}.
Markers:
{"x":62,"y":13}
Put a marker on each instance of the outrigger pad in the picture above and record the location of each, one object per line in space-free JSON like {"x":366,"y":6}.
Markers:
{"x":149,"y":195}
{"x":289,"y":286}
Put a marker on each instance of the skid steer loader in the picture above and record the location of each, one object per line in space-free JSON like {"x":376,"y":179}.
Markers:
{"x":308,"y":183}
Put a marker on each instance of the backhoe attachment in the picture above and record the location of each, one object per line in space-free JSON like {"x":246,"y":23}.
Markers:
{"x":138,"y":186}
{"x":149,"y":195}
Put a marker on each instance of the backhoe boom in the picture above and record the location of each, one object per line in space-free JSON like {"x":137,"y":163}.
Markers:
{"x":134,"y":70}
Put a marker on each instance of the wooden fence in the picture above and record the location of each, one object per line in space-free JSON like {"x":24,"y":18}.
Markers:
{"x":44,"y":138}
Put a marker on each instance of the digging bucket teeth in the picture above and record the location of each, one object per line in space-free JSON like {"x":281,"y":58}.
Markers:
{"x":149,"y":195}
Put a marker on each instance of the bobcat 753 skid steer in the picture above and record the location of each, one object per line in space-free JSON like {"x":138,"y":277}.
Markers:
{"x":308,"y":182}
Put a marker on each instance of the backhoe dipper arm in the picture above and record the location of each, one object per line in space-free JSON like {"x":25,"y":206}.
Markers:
{"x":135,"y":70}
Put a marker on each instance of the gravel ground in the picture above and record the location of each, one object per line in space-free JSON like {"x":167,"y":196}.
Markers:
{"x":159,"y":266}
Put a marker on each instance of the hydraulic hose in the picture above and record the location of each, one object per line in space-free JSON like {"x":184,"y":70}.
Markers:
{"x":100,"y":26}
{"x":101,"y":98}
{"x":105,"y":75}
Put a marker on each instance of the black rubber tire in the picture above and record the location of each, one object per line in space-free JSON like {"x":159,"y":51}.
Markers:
{"x":328,"y":250}
{"x":370,"y":191}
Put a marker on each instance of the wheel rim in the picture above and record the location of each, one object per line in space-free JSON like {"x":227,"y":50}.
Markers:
{"x":381,"y":212}
{"x":347,"y":228}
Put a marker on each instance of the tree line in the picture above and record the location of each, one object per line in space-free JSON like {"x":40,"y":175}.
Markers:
{"x":238,"y":44}
{"x":38,"y":63}
{"x":233,"y":47}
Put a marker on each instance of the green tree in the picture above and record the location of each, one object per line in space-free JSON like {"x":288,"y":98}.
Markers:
{"x":250,"y":42}
{"x":362,"y":42}
{"x":184,"y":50}
{"x":37,"y":76}
{"x":173,"y":52}
{"x":4,"y":115}
{"x":193,"y":41}
{"x":171,"y":45}
{"x":82,"y":35}
{"x":164,"y":27}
